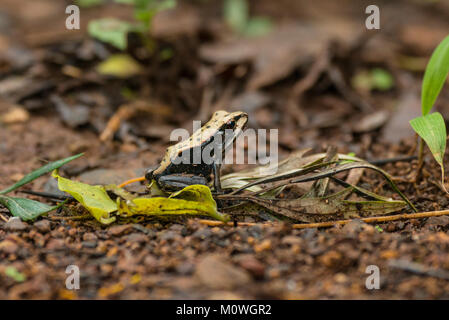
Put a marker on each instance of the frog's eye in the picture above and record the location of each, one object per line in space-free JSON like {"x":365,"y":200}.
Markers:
{"x":231,"y":123}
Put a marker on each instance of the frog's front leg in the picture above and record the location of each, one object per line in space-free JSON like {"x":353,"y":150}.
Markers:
{"x":217,"y":178}
{"x":174,"y":182}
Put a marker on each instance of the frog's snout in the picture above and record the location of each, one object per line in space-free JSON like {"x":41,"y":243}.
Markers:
{"x":149,"y":175}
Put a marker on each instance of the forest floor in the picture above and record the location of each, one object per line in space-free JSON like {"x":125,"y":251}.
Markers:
{"x":300,"y":79}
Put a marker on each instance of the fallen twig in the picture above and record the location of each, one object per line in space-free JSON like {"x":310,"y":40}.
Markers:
{"x":405,"y":216}
{"x":139,"y":179}
{"x":83,"y":217}
{"x":3,"y":218}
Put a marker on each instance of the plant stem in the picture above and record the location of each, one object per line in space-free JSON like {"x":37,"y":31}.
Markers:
{"x":420,"y":159}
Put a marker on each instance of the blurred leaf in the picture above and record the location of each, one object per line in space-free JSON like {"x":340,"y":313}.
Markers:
{"x":236,"y":14}
{"x":382,"y":79}
{"x":110,"y":30}
{"x":125,"y":1}
{"x":166,"y":5}
{"x":376,"y":79}
{"x":25,"y":209}
{"x":144,"y":16}
{"x":88,"y":3}
{"x":39,"y":172}
{"x":435,"y":76}
{"x":258,"y":26}
{"x":192,"y":200}
{"x":93,"y":198}
{"x":13,"y":273}
{"x":120,"y":66}
{"x":432,"y":129}
{"x":146,"y":10}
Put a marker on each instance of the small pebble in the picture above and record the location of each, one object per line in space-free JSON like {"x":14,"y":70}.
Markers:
{"x":15,"y":224}
{"x":42,"y":225}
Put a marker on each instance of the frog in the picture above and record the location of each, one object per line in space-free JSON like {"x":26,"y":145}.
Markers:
{"x":218,"y":133}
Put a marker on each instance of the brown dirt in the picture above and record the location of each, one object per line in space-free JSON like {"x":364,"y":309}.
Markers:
{"x":185,"y":259}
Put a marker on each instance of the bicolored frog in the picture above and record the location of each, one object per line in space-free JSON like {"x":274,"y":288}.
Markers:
{"x":218,"y":133}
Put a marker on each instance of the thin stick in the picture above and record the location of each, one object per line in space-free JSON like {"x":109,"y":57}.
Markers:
{"x":84,"y":217}
{"x":3,"y":218}
{"x":404,"y":216}
{"x":131,"y":181}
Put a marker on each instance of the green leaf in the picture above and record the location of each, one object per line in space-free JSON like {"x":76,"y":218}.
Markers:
{"x":125,"y":1}
{"x":110,"y":30}
{"x":258,"y":26}
{"x":13,"y":273}
{"x":39,"y":172}
{"x":236,"y":14}
{"x":381,"y":79}
{"x":166,"y":5}
{"x":367,"y":80}
{"x":25,"y":209}
{"x":432,"y":129}
{"x":120,"y":66}
{"x":435,"y":76}
{"x":94,"y":198}
{"x":88,"y":3}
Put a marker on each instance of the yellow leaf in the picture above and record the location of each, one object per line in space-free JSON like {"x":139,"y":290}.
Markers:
{"x":93,"y":198}
{"x":120,"y":66}
{"x":192,"y":200}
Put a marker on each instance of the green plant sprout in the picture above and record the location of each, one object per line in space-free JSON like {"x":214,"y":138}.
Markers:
{"x":431,"y":127}
{"x":27,"y":209}
{"x":236,"y":15}
{"x":114,"y":31}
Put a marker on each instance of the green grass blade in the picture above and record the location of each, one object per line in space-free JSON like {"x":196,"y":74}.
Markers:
{"x":435,"y":76}
{"x":40,"y":172}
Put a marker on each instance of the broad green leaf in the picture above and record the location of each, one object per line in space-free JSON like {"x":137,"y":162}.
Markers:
{"x":25,"y":209}
{"x":110,"y":30}
{"x":13,"y":273}
{"x":258,"y":26}
{"x":435,"y":76}
{"x":120,"y":66}
{"x":39,"y":172}
{"x":236,"y":14}
{"x":192,"y":200}
{"x":432,"y":129}
{"x":88,"y":3}
{"x":94,"y":198}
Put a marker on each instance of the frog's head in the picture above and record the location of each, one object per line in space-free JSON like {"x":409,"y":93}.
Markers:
{"x":223,"y":123}
{"x":226,"y":124}
{"x":222,"y":120}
